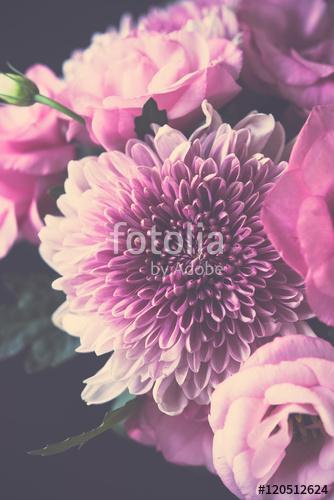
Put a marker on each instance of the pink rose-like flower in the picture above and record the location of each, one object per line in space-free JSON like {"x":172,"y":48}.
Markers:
{"x":109,"y":82}
{"x":289,"y":49}
{"x":273,"y":422}
{"x":212,"y":18}
{"x":33,"y":155}
{"x":172,"y":324}
{"x":184,"y":439}
{"x":298,"y":212}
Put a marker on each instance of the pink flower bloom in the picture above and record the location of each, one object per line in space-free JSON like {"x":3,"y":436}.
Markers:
{"x":175,"y":326}
{"x":109,"y":82}
{"x":212,"y":18}
{"x":33,"y":154}
{"x":298,"y":212}
{"x":273,"y":422}
{"x":184,"y":439}
{"x":289,"y":49}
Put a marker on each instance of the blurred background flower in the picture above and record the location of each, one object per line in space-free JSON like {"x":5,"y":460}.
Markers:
{"x":289,"y":49}
{"x":33,"y":158}
{"x":298,"y":212}
{"x":183,"y":440}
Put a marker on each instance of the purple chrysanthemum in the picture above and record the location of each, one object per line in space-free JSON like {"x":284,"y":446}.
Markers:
{"x":175,"y":332}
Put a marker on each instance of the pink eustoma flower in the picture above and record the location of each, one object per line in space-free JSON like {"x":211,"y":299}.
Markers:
{"x":184,"y":439}
{"x":273,"y":422}
{"x":110,"y":82}
{"x":178,"y":328}
{"x":212,"y":18}
{"x":298,"y":212}
{"x":289,"y":49}
{"x":33,"y":157}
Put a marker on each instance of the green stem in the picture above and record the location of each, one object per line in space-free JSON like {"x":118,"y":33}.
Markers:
{"x":42,"y":99}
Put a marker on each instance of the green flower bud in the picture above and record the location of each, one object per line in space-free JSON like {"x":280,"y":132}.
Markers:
{"x":17,"y":89}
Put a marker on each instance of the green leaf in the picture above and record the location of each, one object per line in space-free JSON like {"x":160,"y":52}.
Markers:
{"x":49,"y":350}
{"x":322,"y":330}
{"x":26,"y":307}
{"x":111,"y":418}
{"x":122,"y":400}
{"x":15,"y":336}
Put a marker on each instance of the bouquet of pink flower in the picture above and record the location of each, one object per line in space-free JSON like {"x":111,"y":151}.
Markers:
{"x":192,"y":234}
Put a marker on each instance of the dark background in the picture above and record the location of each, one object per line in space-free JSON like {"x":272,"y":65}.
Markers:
{"x":37,"y":409}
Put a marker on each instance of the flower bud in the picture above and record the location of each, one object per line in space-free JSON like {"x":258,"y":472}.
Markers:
{"x":17,"y":89}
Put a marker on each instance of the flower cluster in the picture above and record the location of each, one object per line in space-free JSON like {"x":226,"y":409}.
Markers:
{"x":195,"y":252}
